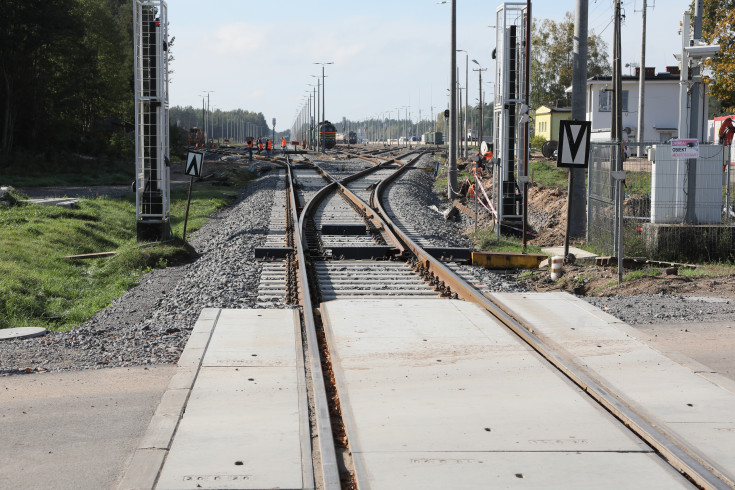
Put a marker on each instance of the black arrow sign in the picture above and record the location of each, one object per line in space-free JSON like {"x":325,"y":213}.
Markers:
{"x":568,"y":143}
{"x":191,"y":167}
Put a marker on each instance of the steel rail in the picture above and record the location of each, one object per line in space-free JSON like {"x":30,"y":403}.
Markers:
{"x":327,"y":452}
{"x":370,"y":213}
{"x":678,"y":453}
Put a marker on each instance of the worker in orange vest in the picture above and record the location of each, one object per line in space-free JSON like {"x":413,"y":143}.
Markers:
{"x":250,"y":149}
{"x":260,"y":145}
{"x":283,"y":143}
{"x":268,"y":145}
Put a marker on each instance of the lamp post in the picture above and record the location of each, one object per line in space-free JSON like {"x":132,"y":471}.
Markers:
{"x":318,"y":108}
{"x":479,"y":71}
{"x":466,"y":96}
{"x":452,"y":178}
{"x":324,"y":117}
{"x":206,"y":118}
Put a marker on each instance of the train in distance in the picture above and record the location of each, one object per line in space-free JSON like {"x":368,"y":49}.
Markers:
{"x":196,"y":137}
{"x":350,"y":138}
{"x":327,"y":134}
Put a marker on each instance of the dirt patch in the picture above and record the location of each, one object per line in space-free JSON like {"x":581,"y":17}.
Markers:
{"x":591,"y":280}
{"x":547,"y":216}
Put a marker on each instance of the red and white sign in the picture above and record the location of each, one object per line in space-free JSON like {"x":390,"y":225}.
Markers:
{"x":685,"y":148}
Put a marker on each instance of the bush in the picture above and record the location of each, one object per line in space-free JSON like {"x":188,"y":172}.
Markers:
{"x":538,"y":141}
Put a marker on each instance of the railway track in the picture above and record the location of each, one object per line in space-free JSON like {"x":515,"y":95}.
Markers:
{"x":416,"y":272}
{"x":336,"y":244}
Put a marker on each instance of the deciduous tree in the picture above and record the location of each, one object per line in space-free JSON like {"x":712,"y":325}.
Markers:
{"x":551,"y":59}
{"x":718,"y":27}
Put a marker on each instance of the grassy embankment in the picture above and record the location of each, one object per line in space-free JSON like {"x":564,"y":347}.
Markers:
{"x":39,"y":287}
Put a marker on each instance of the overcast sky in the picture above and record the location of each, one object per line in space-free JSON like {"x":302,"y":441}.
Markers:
{"x":260,"y":56}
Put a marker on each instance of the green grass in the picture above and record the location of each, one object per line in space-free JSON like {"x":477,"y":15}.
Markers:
{"x":638,"y":183}
{"x":39,"y":287}
{"x":641,"y":273}
{"x":548,"y":174}
{"x":486,"y":240}
{"x":710,"y":270}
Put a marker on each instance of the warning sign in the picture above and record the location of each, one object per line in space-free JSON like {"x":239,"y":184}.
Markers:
{"x":194,"y":163}
{"x":685,"y":148}
{"x":574,"y":144}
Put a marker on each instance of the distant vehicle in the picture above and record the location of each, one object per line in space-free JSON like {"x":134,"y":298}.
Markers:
{"x":472,"y":135}
{"x":352,"y":138}
{"x":196,"y":137}
{"x":327,"y":133}
{"x":434,"y":138}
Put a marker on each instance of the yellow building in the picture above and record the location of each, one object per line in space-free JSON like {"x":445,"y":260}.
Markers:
{"x":547,"y":121}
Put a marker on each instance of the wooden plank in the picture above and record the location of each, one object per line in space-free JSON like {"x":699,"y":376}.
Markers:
{"x":95,"y":255}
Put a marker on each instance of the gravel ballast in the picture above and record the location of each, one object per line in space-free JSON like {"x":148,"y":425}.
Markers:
{"x":151,"y":323}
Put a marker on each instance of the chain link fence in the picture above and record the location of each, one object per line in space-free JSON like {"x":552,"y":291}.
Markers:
{"x":660,"y":221}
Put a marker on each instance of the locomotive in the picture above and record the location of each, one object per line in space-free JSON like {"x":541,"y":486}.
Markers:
{"x":352,"y":138}
{"x":327,"y":132}
{"x":196,"y":137}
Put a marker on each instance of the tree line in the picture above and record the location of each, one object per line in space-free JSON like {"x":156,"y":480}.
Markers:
{"x":552,"y":45}
{"x":66,"y":74}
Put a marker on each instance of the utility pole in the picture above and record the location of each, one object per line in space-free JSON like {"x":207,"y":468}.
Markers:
{"x":466,"y":96}
{"x":617,"y":138}
{"x":642,"y":83}
{"x":526,"y":130}
{"x":479,"y":71}
{"x":577,"y":198}
{"x":690,"y":216}
{"x":452,"y":178}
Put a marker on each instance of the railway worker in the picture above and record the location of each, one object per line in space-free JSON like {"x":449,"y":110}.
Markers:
{"x":726,"y":132}
{"x":283,"y":144}
{"x":260,"y":145}
{"x":250,"y":149}
{"x":268,"y":146}
{"x":479,"y":164}
{"x":303,"y":145}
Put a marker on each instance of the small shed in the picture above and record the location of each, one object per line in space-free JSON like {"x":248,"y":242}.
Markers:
{"x":547,"y":121}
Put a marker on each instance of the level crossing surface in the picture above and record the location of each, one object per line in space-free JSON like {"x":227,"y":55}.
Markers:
{"x":434,"y":393}
{"x":243,"y":415}
{"x":437,"y":394}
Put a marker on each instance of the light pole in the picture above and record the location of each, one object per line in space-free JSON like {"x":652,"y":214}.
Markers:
{"x":479,"y":71}
{"x":206,"y":118}
{"x":466,"y":96}
{"x":324,"y":117}
{"x":452,"y":180}
{"x":318,"y":108}
{"x":314,"y":118}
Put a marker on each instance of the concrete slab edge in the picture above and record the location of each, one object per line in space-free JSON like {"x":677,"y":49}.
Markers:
{"x":307,"y":465}
{"x":362,"y":475}
{"x":693,"y":365}
{"x":681,"y":454}
{"x":148,"y":459}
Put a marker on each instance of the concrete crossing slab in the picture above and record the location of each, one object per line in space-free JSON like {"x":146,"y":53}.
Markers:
{"x":429,"y":385}
{"x":688,"y":403}
{"x":245,"y":424}
{"x":240,"y":430}
{"x":524,"y":470}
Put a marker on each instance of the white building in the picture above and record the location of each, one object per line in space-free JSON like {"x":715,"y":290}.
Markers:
{"x":661,"y":109}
